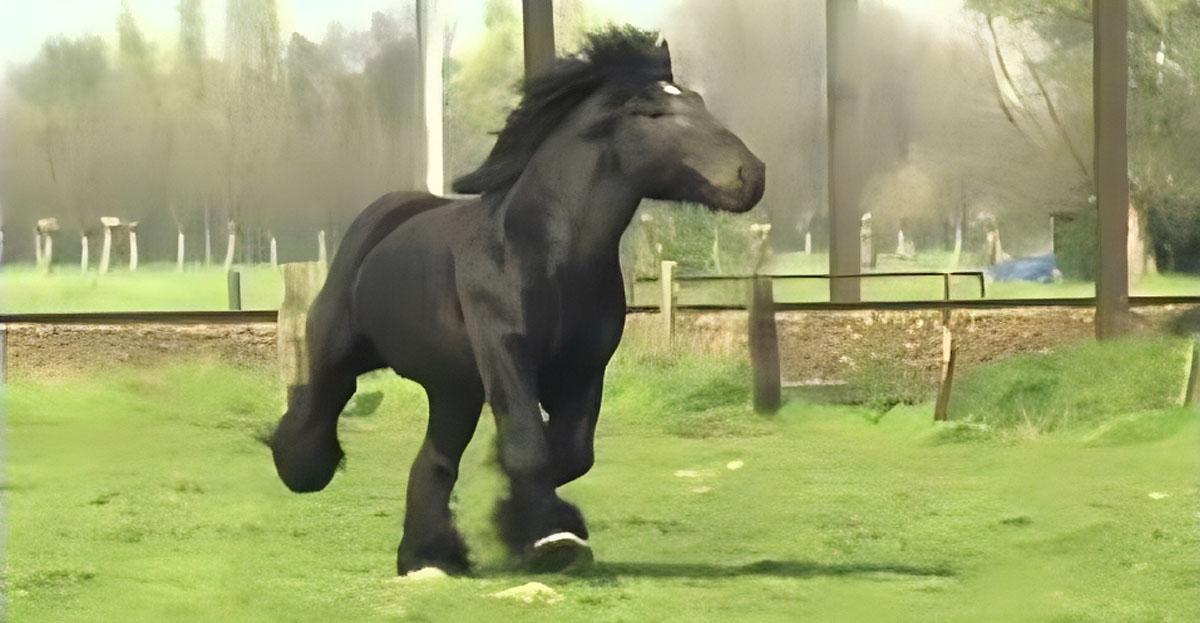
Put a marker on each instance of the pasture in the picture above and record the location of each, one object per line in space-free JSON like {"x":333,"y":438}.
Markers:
{"x":158,"y":287}
{"x":142,"y":494}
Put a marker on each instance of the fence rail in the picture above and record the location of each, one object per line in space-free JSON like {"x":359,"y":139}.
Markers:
{"x":271,"y":315}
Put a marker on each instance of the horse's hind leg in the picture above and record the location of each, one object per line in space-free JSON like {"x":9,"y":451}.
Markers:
{"x":305,"y":444}
{"x":430,"y":538}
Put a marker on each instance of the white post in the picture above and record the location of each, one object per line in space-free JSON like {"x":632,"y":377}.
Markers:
{"x":83,"y":252}
{"x":322,"y":255}
{"x":179,"y":246}
{"x":207,"y":240}
{"x":230,"y":246}
{"x":431,"y":38}
{"x":37,"y":247}
{"x":48,"y":254}
{"x":808,"y":243}
{"x":274,"y":253}
{"x":106,"y":250}
{"x":133,"y":251}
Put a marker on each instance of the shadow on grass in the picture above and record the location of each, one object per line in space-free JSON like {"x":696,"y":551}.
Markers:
{"x":774,"y":568}
{"x":800,"y":569}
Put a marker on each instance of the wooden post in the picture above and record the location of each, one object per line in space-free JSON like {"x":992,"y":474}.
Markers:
{"x":1191,"y":394}
{"x":949,"y":352}
{"x":946,"y":297}
{"x":233,"y":281}
{"x":3,"y":358}
{"x":539,"y":35}
{"x":764,"y":347}
{"x":301,"y":282}
{"x":1110,"y":76}
{"x":841,"y":17}
{"x":666,"y":305}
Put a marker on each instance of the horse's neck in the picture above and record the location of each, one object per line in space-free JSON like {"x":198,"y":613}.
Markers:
{"x":574,"y":200}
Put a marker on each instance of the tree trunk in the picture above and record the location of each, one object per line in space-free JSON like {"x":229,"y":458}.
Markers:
{"x":179,"y":246}
{"x":133,"y":253}
{"x":83,"y":253}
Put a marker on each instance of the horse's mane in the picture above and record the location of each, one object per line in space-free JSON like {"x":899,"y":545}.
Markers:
{"x":624,"y":57}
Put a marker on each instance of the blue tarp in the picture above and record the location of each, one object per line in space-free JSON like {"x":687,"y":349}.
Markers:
{"x":1040,"y":268}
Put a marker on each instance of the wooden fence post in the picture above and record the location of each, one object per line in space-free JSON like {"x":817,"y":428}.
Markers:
{"x":666,"y":305}
{"x":3,"y":354}
{"x":764,"y":347}
{"x":233,"y":280}
{"x":949,"y":351}
{"x":1191,"y":395}
{"x":301,"y":282}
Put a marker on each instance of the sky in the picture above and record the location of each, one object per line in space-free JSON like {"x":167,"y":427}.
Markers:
{"x":25,"y":24}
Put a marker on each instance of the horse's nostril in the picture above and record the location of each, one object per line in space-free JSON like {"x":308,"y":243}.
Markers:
{"x":742,"y":174}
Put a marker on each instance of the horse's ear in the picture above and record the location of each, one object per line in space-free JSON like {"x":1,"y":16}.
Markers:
{"x":662,"y":44}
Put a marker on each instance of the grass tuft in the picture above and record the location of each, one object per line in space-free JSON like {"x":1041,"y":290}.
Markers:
{"x":1074,"y":390}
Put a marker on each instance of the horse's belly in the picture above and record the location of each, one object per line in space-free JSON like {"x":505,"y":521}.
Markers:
{"x":409,"y":313}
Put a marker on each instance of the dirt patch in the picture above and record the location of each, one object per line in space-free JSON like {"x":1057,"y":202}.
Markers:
{"x":815,"y":347}
{"x":36,"y":350}
{"x":825,"y":347}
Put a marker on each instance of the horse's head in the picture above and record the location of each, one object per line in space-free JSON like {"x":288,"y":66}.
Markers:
{"x":666,"y":141}
{"x":620,"y":96}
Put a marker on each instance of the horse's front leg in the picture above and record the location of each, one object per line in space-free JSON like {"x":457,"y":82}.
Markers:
{"x":574,"y":409}
{"x":528,"y":519}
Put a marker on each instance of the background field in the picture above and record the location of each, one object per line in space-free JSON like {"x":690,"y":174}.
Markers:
{"x":158,"y":287}
{"x":140,"y":494}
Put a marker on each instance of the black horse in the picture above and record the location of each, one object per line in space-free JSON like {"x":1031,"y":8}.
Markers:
{"x":514,"y":298}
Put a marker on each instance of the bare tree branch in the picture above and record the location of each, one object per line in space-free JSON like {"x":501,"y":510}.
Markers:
{"x":1062,"y":129}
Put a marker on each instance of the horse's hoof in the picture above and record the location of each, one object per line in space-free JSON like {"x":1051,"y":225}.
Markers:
{"x":558,"y":552}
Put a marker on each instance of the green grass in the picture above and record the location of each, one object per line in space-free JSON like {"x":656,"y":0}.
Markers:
{"x":142,"y":495}
{"x":154,"y":287}
{"x":158,"y":287}
{"x":1074,"y":389}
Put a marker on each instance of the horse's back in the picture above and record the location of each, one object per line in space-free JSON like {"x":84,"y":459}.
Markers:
{"x":330,"y":319}
{"x":375,"y":222}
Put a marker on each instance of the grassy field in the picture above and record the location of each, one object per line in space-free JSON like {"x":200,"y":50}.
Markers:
{"x":158,"y":287}
{"x":142,"y":495}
